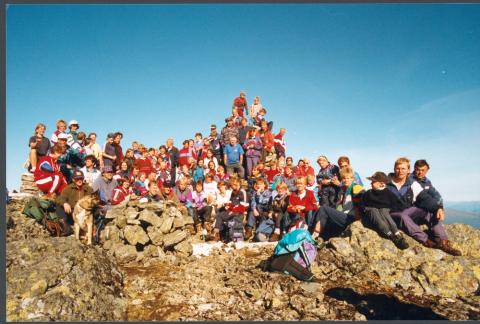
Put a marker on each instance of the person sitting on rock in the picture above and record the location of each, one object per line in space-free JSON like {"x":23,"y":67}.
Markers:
{"x":39,"y":146}
{"x":419,"y":206}
{"x":167,"y":193}
{"x":122,"y":191}
{"x":331,"y":221}
{"x":279,"y":210}
{"x":220,"y":174}
{"x":343,"y":162}
{"x":90,"y":170}
{"x":61,"y":127}
{"x":66,"y":201}
{"x":184,"y":195}
{"x":260,"y":207}
{"x":47,"y":175}
{"x":301,"y":204}
{"x":201,"y":209}
{"x":377,"y":203}
{"x":237,"y":207}
{"x":154,"y":194}
{"x":287,"y":177}
{"x":105,"y":185}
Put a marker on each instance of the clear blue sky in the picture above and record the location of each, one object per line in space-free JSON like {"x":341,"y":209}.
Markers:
{"x":374,"y":82}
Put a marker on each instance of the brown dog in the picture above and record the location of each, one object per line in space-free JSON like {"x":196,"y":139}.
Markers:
{"x":83,"y":216}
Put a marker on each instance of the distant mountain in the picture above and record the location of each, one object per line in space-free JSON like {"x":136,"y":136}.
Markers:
{"x":459,"y":216}
{"x":466,"y":206}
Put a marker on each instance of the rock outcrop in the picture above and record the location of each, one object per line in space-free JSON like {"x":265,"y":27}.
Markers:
{"x":58,"y":279}
{"x":28,"y":184}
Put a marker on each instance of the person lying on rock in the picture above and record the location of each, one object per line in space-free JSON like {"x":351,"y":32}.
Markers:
{"x":329,"y":221}
{"x":377,"y":203}
{"x":419,"y":206}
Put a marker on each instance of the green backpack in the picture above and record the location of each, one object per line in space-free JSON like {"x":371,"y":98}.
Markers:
{"x":43,"y":211}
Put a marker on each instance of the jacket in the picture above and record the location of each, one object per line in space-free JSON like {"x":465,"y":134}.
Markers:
{"x":71,"y":194}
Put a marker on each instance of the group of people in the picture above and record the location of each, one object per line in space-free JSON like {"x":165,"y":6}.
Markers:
{"x":239,"y":183}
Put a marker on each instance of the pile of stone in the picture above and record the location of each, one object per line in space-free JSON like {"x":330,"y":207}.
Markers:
{"x":28,"y":184}
{"x":143,"y":231}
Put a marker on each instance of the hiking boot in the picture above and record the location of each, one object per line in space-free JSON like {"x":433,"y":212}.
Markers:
{"x":445,"y":246}
{"x":274,"y":237}
{"x":399,"y":241}
{"x":430,"y":244}
{"x":248,"y":233}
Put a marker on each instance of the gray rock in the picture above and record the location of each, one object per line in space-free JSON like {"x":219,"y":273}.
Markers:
{"x":155,"y":235}
{"x":133,"y":222}
{"x":148,"y":216}
{"x":135,"y":234}
{"x":174,"y":238}
{"x":184,"y":248}
{"x":167,"y":225}
{"x":126,"y":253}
{"x":156,"y":207}
{"x":178,"y":222}
{"x":115,"y":212}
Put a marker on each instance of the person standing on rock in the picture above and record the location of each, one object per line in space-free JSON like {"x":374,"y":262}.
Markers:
{"x":70,"y":196}
{"x":419,"y":206}
{"x":227,"y":132}
{"x":39,"y":146}
{"x":240,"y":104}
{"x":118,"y":150}
{"x":173,"y":153}
{"x":233,"y":158}
{"x":377,"y":203}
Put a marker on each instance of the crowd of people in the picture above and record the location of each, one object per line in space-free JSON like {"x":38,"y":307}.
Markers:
{"x":239,"y":183}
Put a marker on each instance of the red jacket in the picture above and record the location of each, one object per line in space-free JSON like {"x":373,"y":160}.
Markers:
{"x":308,"y":201}
{"x":268,"y":140}
{"x":184,"y":155}
{"x":119,"y":194}
{"x":271,"y":174}
{"x":144,"y":165}
{"x":46,"y":162}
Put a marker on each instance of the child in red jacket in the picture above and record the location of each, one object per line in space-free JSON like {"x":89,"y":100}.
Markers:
{"x":301,"y":204}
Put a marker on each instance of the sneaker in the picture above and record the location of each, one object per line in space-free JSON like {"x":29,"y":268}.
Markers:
{"x":445,"y":246}
{"x":399,"y":242}
{"x":430,"y":244}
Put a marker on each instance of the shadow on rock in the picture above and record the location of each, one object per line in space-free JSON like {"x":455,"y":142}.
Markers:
{"x":382,"y":307}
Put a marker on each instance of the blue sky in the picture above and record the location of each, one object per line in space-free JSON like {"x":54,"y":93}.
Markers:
{"x":374,"y":82}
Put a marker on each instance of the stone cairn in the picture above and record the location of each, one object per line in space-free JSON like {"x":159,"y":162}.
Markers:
{"x":141,"y":231}
{"x":28,"y":185}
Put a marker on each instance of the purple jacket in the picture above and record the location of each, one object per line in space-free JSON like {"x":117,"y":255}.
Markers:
{"x":256,"y":151}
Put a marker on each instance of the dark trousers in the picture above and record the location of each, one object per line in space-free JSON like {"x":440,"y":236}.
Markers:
{"x":410,"y":219}
{"x":328,"y":196}
{"x":332,"y":221}
{"x":290,"y":218}
{"x":223,"y":217}
{"x":202,"y":215}
{"x":380,"y":221}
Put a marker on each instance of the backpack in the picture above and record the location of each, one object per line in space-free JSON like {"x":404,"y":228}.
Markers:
{"x":293,"y":255}
{"x":235,"y":229}
{"x":43,"y":211}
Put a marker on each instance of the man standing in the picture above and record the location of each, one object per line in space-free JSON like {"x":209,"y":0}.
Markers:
{"x":227,"y":132}
{"x":118,"y":149}
{"x":215,"y":143}
{"x":233,"y":158}
{"x":174,"y":157}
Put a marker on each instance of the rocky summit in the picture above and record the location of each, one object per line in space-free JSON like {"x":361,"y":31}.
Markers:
{"x":145,"y":268}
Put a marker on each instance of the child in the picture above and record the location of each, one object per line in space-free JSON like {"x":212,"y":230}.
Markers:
{"x":261,"y":204}
{"x":327,"y":179}
{"x":200,"y":209}
{"x":198,"y":173}
{"x":198,"y":145}
{"x":139,"y":187}
{"x":221,"y":175}
{"x":313,"y":186}
{"x":122,"y":192}
{"x":279,"y":208}
{"x":377,"y":203}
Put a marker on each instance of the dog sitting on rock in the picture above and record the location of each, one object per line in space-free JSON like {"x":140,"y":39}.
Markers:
{"x":83,"y":216}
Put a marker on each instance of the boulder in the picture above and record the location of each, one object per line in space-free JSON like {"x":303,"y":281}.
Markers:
{"x":167,"y":225}
{"x":149,"y":217}
{"x":155,"y":235}
{"x":178,"y":222}
{"x":131,"y":213}
{"x":126,"y":253}
{"x":115,"y":212}
{"x":184,"y":248}
{"x":135,"y":235}
{"x":174,"y":238}
{"x":156,"y":207}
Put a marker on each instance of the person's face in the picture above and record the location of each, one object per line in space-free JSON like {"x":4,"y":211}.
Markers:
{"x":255,"y":100}
{"x":78,"y":182}
{"x":301,"y":163}
{"x":235,"y":112}
{"x":401,"y":171}
{"x":300,"y":186}
{"x":191,"y":143}
{"x":222,"y":189}
{"x":244,"y":122}
{"x":126,"y":184}
{"x":185,"y":145}
{"x":376,"y":185}
{"x":182,"y":185}
{"x":110,"y":140}
{"x":211,"y":165}
{"x":117,"y":139}
{"x":162,"y":150}
{"x":230,"y":123}
{"x":163,"y":165}
{"x":261,"y":186}
{"x":282,"y":131}
{"x":129,"y":154}
{"x":135,"y":171}
{"x":62,"y":142}
{"x":220,"y":170}
{"x":235,"y":187}
{"x":311,"y":181}
{"x":198,"y":138}
{"x":166,"y":190}
{"x":143,"y":177}
{"x":62,"y":127}
{"x":209,"y":154}
{"x":88,"y":163}
{"x":343,"y":164}
{"x":124,"y":166}
{"x":154,"y":190}
{"x":152,"y":176}
{"x":264,"y":126}
{"x":135,"y":146}
{"x":200,"y":163}
{"x":73,"y":128}
{"x":421,"y":172}
{"x":347,"y":181}
{"x":198,"y":188}
{"x":323,"y":163}
{"x":108,"y":175}
{"x":288,"y":172}
{"x":233,"y":140}
{"x":41,"y":130}
{"x":289,"y":161}
{"x":169,"y":143}
{"x":281,"y":191}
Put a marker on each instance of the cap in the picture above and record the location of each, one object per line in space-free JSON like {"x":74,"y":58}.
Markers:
{"x":213,"y":126}
{"x":110,"y":135}
{"x":62,"y":136}
{"x":77,"y":174}
{"x":379,"y":176}
{"x":107,"y":168}
{"x":228,"y":119}
{"x":73,"y":122}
